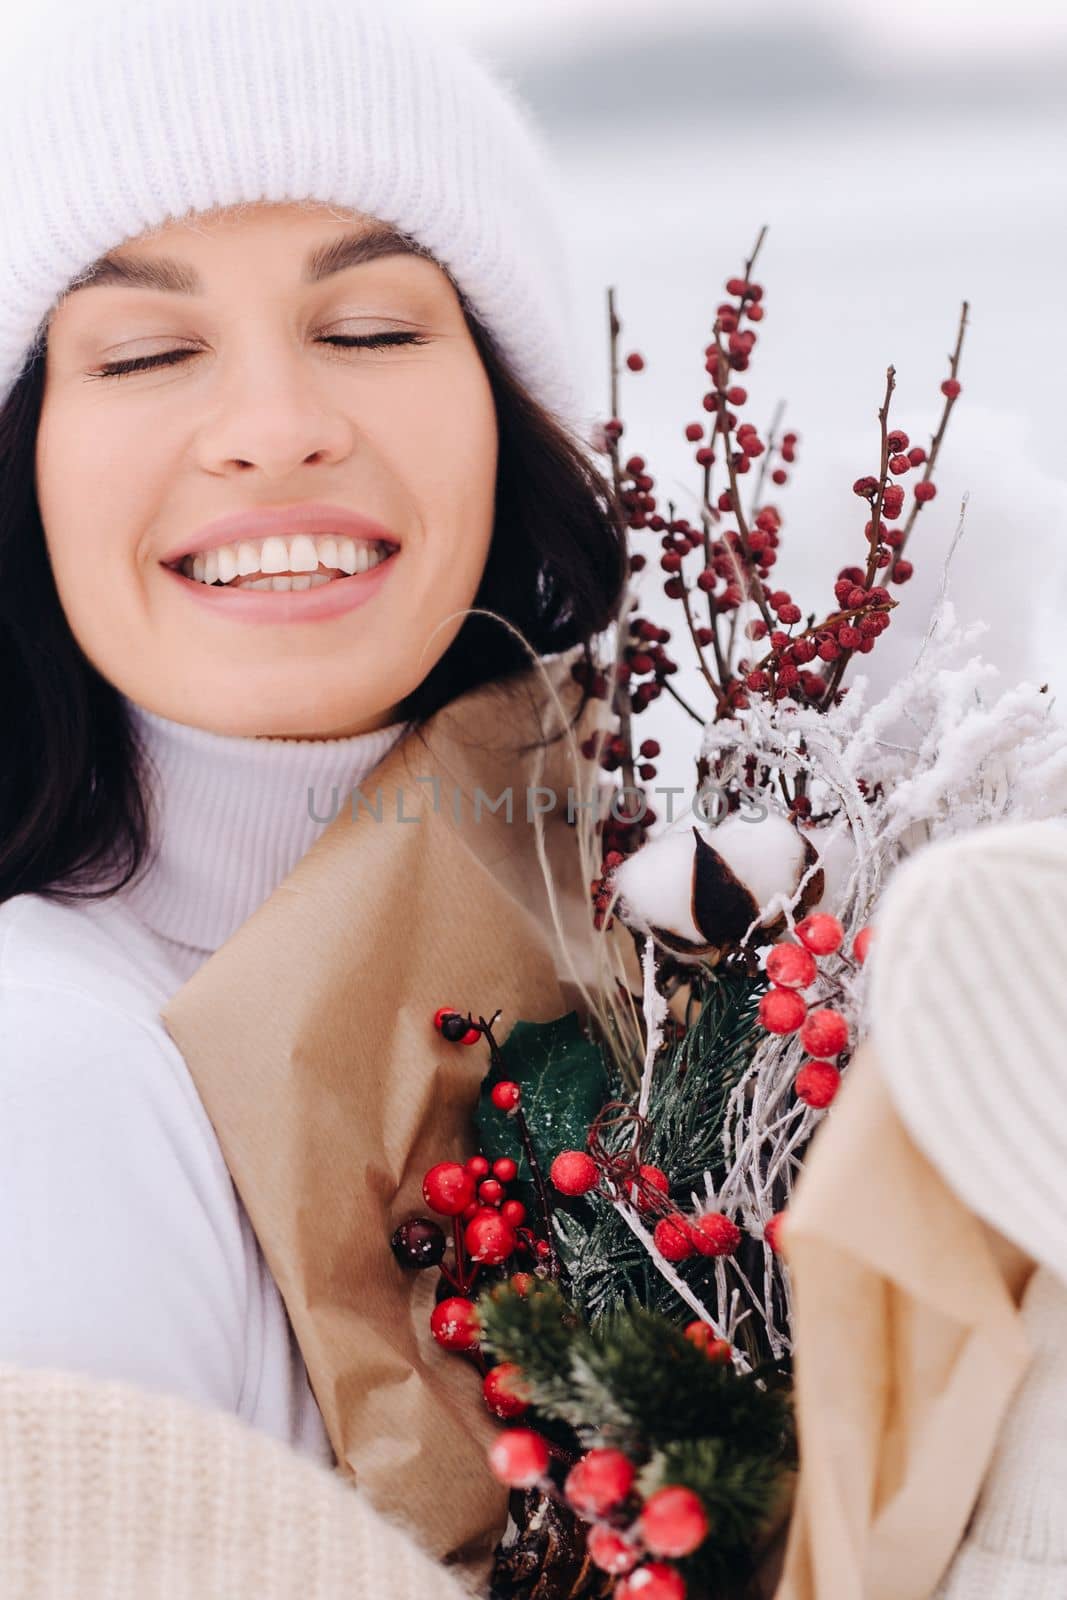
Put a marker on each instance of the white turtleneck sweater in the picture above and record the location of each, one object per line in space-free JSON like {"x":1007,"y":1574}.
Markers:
{"x":125,"y":1251}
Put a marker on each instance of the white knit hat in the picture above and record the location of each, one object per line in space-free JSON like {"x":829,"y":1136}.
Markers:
{"x":117,"y":115}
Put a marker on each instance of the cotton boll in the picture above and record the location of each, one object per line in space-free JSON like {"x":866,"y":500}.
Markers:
{"x":766,"y":854}
{"x":836,"y":850}
{"x":701,"y":890}
{"x":656,"y":885}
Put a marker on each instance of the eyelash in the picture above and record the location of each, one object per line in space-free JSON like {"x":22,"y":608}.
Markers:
{"x":171,"y":358}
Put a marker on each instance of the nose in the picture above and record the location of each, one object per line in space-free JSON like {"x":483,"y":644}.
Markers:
{"x":272,"y":416}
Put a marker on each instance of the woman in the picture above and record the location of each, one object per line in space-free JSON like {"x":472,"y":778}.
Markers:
{"x":283,"y":363}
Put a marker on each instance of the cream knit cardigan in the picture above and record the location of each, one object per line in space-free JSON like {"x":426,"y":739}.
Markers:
{"x":112,"y":1492}
{"x":969,"y":1008}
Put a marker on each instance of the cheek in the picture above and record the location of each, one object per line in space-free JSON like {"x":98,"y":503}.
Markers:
{"x":451,"y":463}
{"x":93,"y":487}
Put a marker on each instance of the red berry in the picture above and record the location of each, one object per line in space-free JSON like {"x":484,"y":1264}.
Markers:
{"x":773,"y":1232}
{"x":825,"y":1032}
{"x":694,"y":431}
{"x":505,"y":1169}
{"x":609,"y":1551}
{"x":950,"y":388}
{"x":599,"y":1481}
{"x":513,"y":1211}
{"x":820,"y":933}
{"x":491,"y":1192}
{"x":445,"y":1014}
{"x":448,"y":1188}
{"x":489,"y":1238}
{"x":862,"y":943}
{"x":454,"y":1323}
{"x":653,"y":1580}
{"x":522,"y":1283}
{"x":897,"y":440}
{"x":673,"y":1522}
{"x":782,"y":1010}
{"x":519,"y":1458}
{"x":714,"y":1234}
{"x":817,"y":1082}
{"x":635,"y":361}
{"x":573,"y":1172}
{"x":791,"y":966}
{"x":917,"y":455}
{"x":655,"y":1179}
{"x":477,"y":1166}
{"x":505,"y":1096}
{"x":504,"y":1392}
{"x":672,"y":1239}
{"x":705,"y":1339}
{"x":925,"y":491}
{"x":899,"y":464}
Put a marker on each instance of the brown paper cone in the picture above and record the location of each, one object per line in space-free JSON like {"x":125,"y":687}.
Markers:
{"x":309,"y":1035}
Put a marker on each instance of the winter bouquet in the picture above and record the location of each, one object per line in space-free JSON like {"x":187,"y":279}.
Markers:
{"x":609,"y":1256}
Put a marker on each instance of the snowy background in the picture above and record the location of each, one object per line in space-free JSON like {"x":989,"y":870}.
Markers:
{"x":905,"y":158}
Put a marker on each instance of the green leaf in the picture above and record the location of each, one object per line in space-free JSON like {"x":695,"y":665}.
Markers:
{"x":564,"y":1083}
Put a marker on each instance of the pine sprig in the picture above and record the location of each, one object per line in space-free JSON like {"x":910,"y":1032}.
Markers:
{"x":694,"y":1078}
{"x":635,"y":1383}
{"x":744,"y":1494}
{"x":669,"y":1390}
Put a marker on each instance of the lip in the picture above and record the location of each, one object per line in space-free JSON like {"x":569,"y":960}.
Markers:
{"x":260,"y":522}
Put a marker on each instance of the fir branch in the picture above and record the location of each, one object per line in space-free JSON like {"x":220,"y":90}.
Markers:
{"x":606,"y":1266}
{"x":536,"y":1330}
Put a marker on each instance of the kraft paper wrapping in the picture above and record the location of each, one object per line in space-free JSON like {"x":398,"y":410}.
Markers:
{"x":909,"y":1346}
{"x":309,"y":1036}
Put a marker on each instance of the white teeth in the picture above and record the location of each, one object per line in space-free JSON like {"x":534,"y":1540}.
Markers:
{"x":274,"y":556}
{"x":274,"y":561}
{"x":303,"y":557}
{"x":226,"y":557}
{"x":247,"y":558}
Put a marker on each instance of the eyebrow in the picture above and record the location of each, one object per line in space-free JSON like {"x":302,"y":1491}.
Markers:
{"x":177,"y":277}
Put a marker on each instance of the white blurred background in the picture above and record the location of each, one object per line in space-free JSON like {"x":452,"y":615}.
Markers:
{"x":905,"y":157}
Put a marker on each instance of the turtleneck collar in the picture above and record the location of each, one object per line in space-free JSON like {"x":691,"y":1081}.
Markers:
{"x":232,"y":816}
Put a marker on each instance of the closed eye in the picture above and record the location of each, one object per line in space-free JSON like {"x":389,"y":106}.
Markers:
{"x":170,"y":358}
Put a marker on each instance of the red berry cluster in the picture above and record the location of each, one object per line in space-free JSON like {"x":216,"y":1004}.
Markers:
{"x":490,"y":1234}
{"x":677,"y":1236}
{"x":824,"y":1032}
{"x":633,"y":1538}
{"x":737,"y":549}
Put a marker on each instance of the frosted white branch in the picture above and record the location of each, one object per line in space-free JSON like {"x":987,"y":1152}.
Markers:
{"x":675,"y":1279}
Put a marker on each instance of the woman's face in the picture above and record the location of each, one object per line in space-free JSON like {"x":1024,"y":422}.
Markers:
{"x":254,"y":402}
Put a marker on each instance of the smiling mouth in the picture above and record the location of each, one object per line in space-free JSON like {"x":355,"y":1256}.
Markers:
{"x":304,"y":561}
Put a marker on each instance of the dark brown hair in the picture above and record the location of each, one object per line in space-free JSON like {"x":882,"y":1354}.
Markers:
{"x":74,"y":820}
